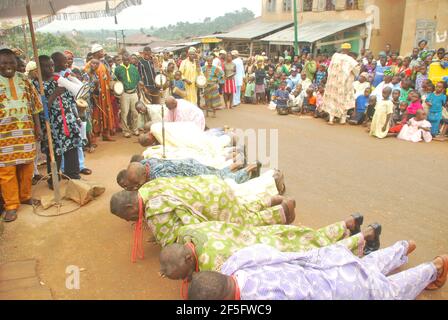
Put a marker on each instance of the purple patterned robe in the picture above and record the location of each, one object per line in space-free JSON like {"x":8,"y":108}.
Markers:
{"x":333,"y":272}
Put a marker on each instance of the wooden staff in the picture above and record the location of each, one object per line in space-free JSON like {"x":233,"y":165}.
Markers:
{"x":54,"y":168}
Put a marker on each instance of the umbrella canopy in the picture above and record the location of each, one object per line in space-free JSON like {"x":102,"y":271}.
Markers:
{"x":65,"y":9}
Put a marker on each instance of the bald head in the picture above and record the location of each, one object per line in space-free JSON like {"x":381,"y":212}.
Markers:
{"x":146,"y":139}
{"x":124,"y":204}
{"x":122,"y":178}
{"x":136,"y":176}
{"x":171,"y":103}
{"x":177,"y":262}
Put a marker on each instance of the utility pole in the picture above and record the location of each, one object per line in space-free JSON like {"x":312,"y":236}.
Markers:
{"x":296,"y":35}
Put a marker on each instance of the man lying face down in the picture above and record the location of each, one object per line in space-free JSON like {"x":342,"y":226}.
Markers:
{"x":333,"y":272}
{"x":206,"y":246}
{"x":169,"y":203}
{"x":138,"y":173}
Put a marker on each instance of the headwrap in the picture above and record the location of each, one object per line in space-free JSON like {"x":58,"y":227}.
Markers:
{"x":382,"y":54}
{"x":222,"y":52}
{"x":288,"y":58}
{"x":346,"y":45}
{"x":192,"y":50}
{"x":234,"y":52}
{"x":424,"y":54}
{"x":389,"y":73}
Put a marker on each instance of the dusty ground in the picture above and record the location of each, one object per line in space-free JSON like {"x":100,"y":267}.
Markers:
{"x":330,"y":171}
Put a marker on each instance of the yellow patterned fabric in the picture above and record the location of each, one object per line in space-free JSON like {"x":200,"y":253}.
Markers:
{"x":19,"y":101}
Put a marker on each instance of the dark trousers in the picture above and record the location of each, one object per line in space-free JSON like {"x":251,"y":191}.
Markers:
{"x":71,"y":164}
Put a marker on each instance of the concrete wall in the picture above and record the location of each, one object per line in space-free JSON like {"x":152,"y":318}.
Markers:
{"x":391,"y":18}
{"x":387,"y":25}
{"x":434,"y":12}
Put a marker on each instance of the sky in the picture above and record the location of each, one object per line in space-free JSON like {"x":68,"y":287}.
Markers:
{"x":152,"y":13}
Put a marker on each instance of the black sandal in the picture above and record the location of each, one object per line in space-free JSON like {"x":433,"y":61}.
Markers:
{"x":86,"y":171}
{"x":359,"y":219}
{"x":373,"y":245}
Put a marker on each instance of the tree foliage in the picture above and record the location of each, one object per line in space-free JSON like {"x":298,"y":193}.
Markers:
{"x":223,"y":23}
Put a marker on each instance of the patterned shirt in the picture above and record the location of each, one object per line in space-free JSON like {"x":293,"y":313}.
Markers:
{"x":147,"y":73}
{"x":18,"y":102}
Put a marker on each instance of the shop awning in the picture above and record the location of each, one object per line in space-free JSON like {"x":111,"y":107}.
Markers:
{"x":254,"y":29}
{"x":311,"y":32}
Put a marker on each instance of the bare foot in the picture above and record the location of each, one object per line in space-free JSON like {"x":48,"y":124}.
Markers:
{"x":350,"y":223}
{"x":279,"y":181}
{"x":411,"y":247}
{"x":438,"y":262}
{"x":288,"y":208}
{"x":276,"y":200}
{"x":369,"y":234}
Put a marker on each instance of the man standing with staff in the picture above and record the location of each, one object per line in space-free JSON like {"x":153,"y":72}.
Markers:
{"x":128,"y":74}
{"x":191,"y":69}
{"x":19,"y":128}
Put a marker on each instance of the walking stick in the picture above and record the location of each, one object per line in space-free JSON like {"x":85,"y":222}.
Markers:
{"x":163,"y":119}
{"x":54,"y":167}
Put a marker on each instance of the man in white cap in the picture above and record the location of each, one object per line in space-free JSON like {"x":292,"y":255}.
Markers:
{"x":190,"y":70}
{"x":103,"y":116}
{"x":239,"y":76}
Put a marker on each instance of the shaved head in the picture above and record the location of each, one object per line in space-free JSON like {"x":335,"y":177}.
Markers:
{"x":122,"y":178}
{"x":124,"y":204}
{"x":177,"y":262}
{"x":146,"y":139}
{"x":171,"y":103}
{"x":136,"y":175}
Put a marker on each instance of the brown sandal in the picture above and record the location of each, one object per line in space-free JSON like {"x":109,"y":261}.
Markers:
{"x":9,"y":215}
{"x":441,"y":278}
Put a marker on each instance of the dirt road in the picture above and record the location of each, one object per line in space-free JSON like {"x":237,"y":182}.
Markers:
{"x":330,"y":171}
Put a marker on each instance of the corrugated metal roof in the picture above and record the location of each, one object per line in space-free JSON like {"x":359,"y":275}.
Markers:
{"x":311,"y":31}
{"x":253,"y":29}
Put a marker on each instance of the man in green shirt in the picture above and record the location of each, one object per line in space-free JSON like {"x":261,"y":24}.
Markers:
{"x":128,"y":74}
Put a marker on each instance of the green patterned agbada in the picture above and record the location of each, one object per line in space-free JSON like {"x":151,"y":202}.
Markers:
{"x":171,"y":203}
{"x":216,"y":241}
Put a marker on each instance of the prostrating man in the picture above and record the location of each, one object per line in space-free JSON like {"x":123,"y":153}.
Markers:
{"x":128,"y":74}
{"x":191,"y":69}
{"x":103,"y":114}
{"x":148,"y":73}
{"x":207,"y":245}
{"x":20,"y":128}
{"x":138,"y":173}
{"x":339,"y":94}
{"x":180,"y":110}
{"x":64,"y":121}
{"x":333,"y":272}
{"x":239,"y":76}
{"x":169,"y":203}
